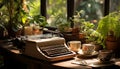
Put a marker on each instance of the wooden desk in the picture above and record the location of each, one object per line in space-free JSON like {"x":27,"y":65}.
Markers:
{"x":15,"y":60}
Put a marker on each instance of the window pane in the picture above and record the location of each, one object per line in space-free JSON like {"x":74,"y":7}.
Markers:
{"x":34,"y":6}
{"x":90,"y":10}
{"x":114,"y":5}
{"x":56,"y":11}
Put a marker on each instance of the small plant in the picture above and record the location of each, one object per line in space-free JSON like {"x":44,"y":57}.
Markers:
{"x":77,"y":20}
{"x":38,"y":20}
{"x":87,"y":27}
{"x":83,"y":25}
{"x":91,"y":35}
{"x":95,"y":38}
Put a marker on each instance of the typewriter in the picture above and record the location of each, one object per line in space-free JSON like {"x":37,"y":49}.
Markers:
{"x":49,"y":49}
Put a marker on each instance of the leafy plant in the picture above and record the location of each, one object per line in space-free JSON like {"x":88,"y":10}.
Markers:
{"x":90,"y":32}
{"x":87,"y":27}
{"x":64,"y":27}
{"x":78,"y":20}
{"x":16,"y":15}
{"x":110,"y":25}
{"x":38,"y":20}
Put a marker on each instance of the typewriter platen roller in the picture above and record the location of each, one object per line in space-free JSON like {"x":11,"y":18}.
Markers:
{"x":50,"y":49}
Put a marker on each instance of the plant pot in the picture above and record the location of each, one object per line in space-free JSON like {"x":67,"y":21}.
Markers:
{"x":112,"y":43}
{"x":82,"y":37}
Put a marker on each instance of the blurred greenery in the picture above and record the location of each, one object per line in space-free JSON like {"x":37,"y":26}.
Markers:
{"x":38,"y":20}
{"x":34,"y":7}
{"x":91,"y":9}
{"x":13,"y":15}
{"x":56,"y":9}
{"x":115,"y":5}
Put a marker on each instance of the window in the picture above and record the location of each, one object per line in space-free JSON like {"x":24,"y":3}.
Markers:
{"x":90,"y":10}
{"x":114,"y":5}
{"x":34,"y":7}
{"x":56,"y":9}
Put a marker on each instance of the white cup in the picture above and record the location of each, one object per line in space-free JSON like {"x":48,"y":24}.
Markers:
{"x":88,"y":49}
{"x":74,"y":45}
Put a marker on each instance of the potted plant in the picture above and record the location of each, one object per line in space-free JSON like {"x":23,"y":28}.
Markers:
{"x":84,"y":27}
{"x":36,"y":23}
{"x":38,"y":20}
{"x":91,"y":35}
{"x":109,"y":27}
{"x":87,"y":31}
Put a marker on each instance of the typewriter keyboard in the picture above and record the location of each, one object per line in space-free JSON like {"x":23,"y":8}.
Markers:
{"x":56,"y":50}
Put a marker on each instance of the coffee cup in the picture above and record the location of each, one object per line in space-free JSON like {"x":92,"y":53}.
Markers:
{"x":88,"y":49}
{"x":74,"y":45}
{"x":105,"y":55}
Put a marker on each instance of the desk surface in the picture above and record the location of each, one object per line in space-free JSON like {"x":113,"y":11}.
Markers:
{"x":66,"y":64}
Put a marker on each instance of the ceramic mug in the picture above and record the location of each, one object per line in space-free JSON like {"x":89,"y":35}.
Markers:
{"x":105,"y":55}
{"x":88,"y":49}
{"x":74,"y":45}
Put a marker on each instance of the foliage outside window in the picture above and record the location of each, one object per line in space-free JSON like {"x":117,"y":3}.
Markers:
{"x":34,"y":7}
{"x":90,"y":10}
{"x":114,"y":5}
{"x":56,"y":9}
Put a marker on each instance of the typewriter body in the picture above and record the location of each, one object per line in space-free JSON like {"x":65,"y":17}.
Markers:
{"x":50,"y":49}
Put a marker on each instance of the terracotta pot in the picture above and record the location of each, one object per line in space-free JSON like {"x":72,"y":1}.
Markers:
{"x":111,"y":38}
{"x":112,"y":43}
{"x":75,"y":30}
{"x":82,"y":37}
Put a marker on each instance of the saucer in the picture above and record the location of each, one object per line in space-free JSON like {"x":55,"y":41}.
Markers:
{"x":81,"y":55}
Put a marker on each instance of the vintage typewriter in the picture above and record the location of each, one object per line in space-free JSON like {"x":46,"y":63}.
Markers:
{"x":50,"y":49}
